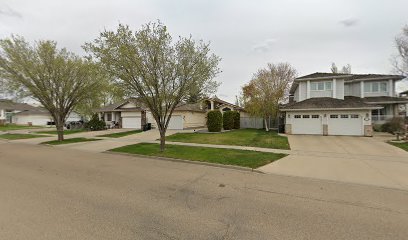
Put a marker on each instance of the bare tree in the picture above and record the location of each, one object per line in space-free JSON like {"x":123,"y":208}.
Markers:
{"x":56,"y":78}
{"x":160,"y":72}
{"x":268,"y":88}
{"x":401,"y":61}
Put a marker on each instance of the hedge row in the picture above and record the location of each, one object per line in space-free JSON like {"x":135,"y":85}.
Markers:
{"x":216,"y":120}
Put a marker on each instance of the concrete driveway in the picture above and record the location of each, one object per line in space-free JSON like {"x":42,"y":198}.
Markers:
{"x":347,"y":159}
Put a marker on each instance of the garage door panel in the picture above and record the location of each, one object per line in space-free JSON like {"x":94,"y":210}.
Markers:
{"x":345,"y":124}
{"x":131,"y":122}
{"x":176,"y":122}
{"x":307,"y":124}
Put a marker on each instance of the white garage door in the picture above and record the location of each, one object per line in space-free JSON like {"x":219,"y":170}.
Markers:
{"x":345,"y":124}
{"x":176,"y":122}
{"x":131,"y":122}
{"x":307,"y":124}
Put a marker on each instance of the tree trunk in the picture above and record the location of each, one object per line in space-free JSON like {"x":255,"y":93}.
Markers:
{"x":162,"y":139}
{"x":266,"y":124}
{"x":60,"y":130}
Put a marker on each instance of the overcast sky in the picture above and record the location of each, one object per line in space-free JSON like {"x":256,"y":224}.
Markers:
{"x":310,"y":34}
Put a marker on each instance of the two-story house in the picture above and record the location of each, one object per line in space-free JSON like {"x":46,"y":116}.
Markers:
{"x":341,"y":104}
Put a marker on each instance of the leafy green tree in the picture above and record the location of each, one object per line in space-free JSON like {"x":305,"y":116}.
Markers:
{"x":159,"y":71}
{"x":56,"y":78}
{"x":267,"y":89}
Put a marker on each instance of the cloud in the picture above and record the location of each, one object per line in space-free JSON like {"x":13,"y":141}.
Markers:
{"x":265,"y":45}
{"x":9,"y":12}
{"x":349,"y":22}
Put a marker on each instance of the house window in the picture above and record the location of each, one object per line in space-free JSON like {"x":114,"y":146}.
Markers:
{"x":109,"y":117}
{"x":321,"y":86}
{"x":354,"y":115}
{"x":375,"y":87}
{"x":328,"y":85}
{"x":315,"y":116}
{"x":297,"y":116}
{"x":344,"y":116}
{"x":306,"y":116}
{"x":334,"y":116}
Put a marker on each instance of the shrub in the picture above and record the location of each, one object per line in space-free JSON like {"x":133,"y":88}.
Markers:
{"x":237,"y":120}
{"x":214,"y":121}
{"x":377,"y":128}
{"x":228,"y":120}
{"x":396,"y":124}
{"x":95,"y":124}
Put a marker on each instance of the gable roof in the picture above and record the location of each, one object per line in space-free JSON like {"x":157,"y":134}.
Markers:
{"x":329,"y":103}
{"x":194,"y":107}
{"x":216,"y":99}
{"x":385,"y":99}
{"x":35,"y":111}
{"x":349,"y":76}
{"x":10,"y":105}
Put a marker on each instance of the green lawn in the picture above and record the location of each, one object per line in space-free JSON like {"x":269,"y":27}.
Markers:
{"x":15,"y":136}
{"x":70,"y":140}
{"x":400,"y":145}
{"x":240,"y":137}
{"x":66,"y":132}
{"x":120,"y":134}
{"x":244,"y":158}
{"x":9,"y":127}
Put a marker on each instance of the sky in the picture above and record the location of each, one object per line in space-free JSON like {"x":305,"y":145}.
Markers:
{"x":247,"y":35}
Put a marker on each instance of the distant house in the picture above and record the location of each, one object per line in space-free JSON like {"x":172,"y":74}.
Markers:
{"x":25,"y":114}
{"x":8,"y":108}
{"x":341,"y":104}
{"x":134,"y":114}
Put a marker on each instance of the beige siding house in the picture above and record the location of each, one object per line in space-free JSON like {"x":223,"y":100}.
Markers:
{"x":133,"y":114}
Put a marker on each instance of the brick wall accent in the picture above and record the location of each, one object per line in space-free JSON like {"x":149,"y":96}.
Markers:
{"x":368,"y":130}
{"x":288,"y":128}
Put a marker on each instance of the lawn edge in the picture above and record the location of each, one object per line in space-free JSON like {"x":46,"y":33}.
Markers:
{"x":57,"y":145}
{"x":186,"y":161}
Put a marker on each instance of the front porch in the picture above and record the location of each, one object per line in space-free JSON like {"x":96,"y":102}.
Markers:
{"x":389,"y":111}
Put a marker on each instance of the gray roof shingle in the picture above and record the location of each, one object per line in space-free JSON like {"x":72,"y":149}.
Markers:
{"x":329,"y":103}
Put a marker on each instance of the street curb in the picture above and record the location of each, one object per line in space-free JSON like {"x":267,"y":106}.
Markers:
{"x":187,"y":161}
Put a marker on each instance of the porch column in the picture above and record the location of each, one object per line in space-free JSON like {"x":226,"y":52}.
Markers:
{"x":362,"y":89}
{"x":396,"y":110}
{"x":212,"y":105}
{"x":390,"y":88}
{"x":308,"y":89}
{"x":2,"y":114}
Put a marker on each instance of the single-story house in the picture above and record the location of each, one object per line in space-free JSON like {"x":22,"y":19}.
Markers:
{"x":133,"y":114}
{"x":8,"y":108}
{"x":40,"y":117}
{"x":25,"y":114}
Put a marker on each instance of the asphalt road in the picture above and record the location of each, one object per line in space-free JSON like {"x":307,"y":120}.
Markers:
{"x":55,"y":193}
